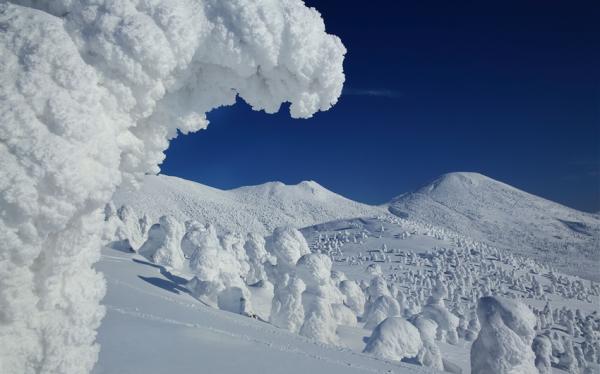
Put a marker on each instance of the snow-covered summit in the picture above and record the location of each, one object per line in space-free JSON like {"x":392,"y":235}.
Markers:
{"x":304,"y":189}
{"x":258,"y":209}
{"x":482,"y":208}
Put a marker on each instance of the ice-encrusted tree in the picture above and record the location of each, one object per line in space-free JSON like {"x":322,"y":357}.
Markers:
{"x":354,"y":297}
{"x":320,"y":322}
{"x":287,"y":245}
{"x":542,"y":348}
{"x":258,"y":257}
{"x":163,"y":245}
{"x":504,"y":344}
{"x":430,"y":354}
{"x":91,"y":93}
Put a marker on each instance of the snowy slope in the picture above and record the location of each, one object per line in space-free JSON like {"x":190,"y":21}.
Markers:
{"x":485,"y":209}
{"x":389,"y":247}
{"x":257,"y":209}
{"x":154,"y":326}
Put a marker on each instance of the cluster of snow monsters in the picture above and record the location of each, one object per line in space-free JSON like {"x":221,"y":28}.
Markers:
{"x":471,"y":292}
{"x":91,"y":93}
{"x":280,"y":280}
{"x":231,"y":271}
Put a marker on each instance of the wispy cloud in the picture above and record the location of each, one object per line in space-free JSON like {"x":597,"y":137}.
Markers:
{"x":583,"y":168}
{"x":372,"y":92}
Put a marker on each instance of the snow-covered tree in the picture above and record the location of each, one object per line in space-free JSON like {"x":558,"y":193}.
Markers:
{"x":505,"y":339}
{"x":430,"y":354}
{"x":394,"y":339}
{"x":542,"y":348}
{"x":163,"y":245}
{"x":90,"y":104}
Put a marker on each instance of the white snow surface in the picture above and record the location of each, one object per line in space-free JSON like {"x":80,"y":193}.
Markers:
{"x":151,"y":308}
{"x":259,"y":209}
{"x":487,"y":210}
{"x":154,"y":326}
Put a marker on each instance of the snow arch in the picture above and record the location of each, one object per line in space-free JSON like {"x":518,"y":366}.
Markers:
{"x":91,"y":92}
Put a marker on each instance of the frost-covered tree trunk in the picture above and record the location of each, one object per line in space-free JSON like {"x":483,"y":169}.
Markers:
{"x":91,"y":92}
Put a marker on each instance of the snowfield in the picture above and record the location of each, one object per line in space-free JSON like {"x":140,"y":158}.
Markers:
{"x":153,"y":325}
{"x":258,"y":209}
{"x":375,"y":293}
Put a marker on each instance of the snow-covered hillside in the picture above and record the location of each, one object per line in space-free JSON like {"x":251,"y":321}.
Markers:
{"x":154,"y":326}
{"x":487,"y":210}
{"x":380,"y":294}
{"x":258,"y":209}
{"x":371,"y":291}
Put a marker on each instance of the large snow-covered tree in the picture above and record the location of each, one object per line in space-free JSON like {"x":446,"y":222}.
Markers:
{"x":91,"y":92}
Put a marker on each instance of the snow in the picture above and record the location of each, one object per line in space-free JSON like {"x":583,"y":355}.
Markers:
{"x":316,"y":280}
{"x":224,"y":281}
{"x":163,"y":245}
{"x":92,"y":92}
{"x":484,"y":209}
{"x":430,"y":354}
{"x":504,"y":342}
{"x":354,"y":297}
{"x":258,"y":209}
{"x":288,"y":245}
{"x":422,"y":264}
{"x":320,"y":321}
{"x":394,"y":339}
{"x":153,"y":326}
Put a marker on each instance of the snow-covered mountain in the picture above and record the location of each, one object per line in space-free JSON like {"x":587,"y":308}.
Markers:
{"x":369,"y":292}
{"x":258,"y":209}
{"x":488,"y":210}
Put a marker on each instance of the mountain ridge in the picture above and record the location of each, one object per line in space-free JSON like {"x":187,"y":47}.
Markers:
{"x":260,"y":208}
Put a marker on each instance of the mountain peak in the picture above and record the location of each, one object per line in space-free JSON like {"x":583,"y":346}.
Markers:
{"x":488,"y":210}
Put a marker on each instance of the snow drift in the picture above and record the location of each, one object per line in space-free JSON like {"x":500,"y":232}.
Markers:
{"x":92,"y":92}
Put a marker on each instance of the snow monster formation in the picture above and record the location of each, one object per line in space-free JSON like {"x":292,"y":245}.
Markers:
{"x":505,"y":339}
{"x":91,"y":92}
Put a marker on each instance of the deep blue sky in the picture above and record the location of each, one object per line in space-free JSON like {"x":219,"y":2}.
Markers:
{"x":508,"y":89}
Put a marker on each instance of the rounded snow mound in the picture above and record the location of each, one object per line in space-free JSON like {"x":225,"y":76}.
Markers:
{"x":394,"y":339}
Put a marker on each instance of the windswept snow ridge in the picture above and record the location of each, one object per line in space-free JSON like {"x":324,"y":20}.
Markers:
{"x":259,"y":209}
{"x":91,"y":93}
